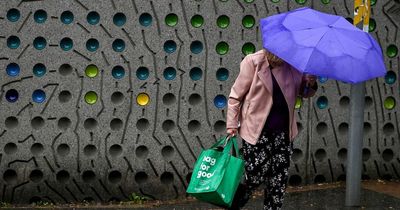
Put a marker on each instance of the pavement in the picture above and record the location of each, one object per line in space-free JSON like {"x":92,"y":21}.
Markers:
{"x":375,"y":195}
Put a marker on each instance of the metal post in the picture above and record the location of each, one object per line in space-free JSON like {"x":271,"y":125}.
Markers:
{"x":355,"y":144}
{"x":362,"y":10}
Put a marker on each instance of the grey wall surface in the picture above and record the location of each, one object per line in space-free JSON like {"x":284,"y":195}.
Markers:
{"x":65,"y":149}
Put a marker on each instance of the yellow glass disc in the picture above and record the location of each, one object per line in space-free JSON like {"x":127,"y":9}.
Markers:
{"x":142,"y":99}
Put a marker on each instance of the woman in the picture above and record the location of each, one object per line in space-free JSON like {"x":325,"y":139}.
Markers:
{"x":261,"y":110}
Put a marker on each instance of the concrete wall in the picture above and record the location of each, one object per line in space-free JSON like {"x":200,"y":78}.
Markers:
{"x":120,"y":96}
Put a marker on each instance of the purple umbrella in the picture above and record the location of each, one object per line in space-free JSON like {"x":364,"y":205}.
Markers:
{"x":322,"y":44}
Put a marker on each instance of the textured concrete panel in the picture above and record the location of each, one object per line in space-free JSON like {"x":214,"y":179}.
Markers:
{"x":103,"y":98}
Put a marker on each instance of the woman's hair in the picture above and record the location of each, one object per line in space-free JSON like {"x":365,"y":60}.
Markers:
{"x":273,"y":59}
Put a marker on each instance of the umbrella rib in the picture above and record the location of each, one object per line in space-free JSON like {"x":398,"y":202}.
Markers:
{"x":336,"y":37}
{"x":304,"y":29}
{"x":312,"y":52}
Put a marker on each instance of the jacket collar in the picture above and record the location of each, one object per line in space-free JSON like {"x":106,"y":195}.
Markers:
{"x":264,"y":73}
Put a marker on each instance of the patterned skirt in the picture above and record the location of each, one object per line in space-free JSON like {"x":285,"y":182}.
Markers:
{"x":268,"y":162}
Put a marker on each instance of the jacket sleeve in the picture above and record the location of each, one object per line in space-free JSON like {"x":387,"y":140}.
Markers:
{"x":239,"y":89}
{"x":297,"y":76}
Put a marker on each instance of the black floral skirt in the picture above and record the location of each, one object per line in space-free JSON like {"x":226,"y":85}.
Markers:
{"x":267,"y":162}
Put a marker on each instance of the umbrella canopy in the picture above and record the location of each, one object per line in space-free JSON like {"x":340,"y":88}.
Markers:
{"x":323,"y":44}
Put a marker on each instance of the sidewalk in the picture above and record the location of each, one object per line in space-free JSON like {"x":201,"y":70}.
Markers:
{"x":376,"y":195}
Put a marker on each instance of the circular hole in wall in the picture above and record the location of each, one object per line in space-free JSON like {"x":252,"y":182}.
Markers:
{"x":387,"y":155}
{"x":141,"y":177}
{"x":366,"y":154}
{"x":114,"y":177}
{"x":344,"y":102}
{"x":116,"y":124}
{"x":117,"y":98}
{"x":65,"y":69}
{"x":115,"y":150}
{"x":167,"y":152}
{"x":388,"y":129}
{"x":343,"y":128}
{"x":297,"y":154}
{"x":64,"y":96}
{"x":342,"y":154}
{"x":299,"y":126}
{"x":322,"y":128}
{"x":63,"y":149}
{"x":220,"y":126}
{"x":36,"y":175}
{"x":10,"y":148}
{"x":368,"y":101}
{"x":37,"y":149}
{"x":167,"y":178}
{"x":90,"y":124}
{"x":194,"y":126}
{"x":142,"y":151}
{"x":194,"y":99}
{"x":88,"y":176}
{"x":142,"y":124}
{"x":90,"y":150}
{"x":169,"y":99}
{"x":367,"y":127}
{"x":320,"y":155}
{"x":37,"y":123}
{"x":10,"y":176}
{"x":168,"y":125}
{"x":64,"y":123}
{"x":11,"y":122}
{"x":62,"y":176}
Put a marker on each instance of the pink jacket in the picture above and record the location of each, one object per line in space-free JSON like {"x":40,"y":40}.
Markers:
{"x":250,"y":99}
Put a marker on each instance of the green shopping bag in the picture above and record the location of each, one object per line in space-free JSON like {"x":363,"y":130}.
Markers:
{"x":217,"y":173}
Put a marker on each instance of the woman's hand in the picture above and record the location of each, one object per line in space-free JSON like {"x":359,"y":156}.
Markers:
{"x":309,"y":80}
{"x":231,"y":131}
{"x":308,"y":85}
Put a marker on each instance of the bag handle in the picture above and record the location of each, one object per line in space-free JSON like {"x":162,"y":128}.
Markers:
{"x":225,"y":144}
{"x":228,"y":145}
{"x":221,"y":141}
